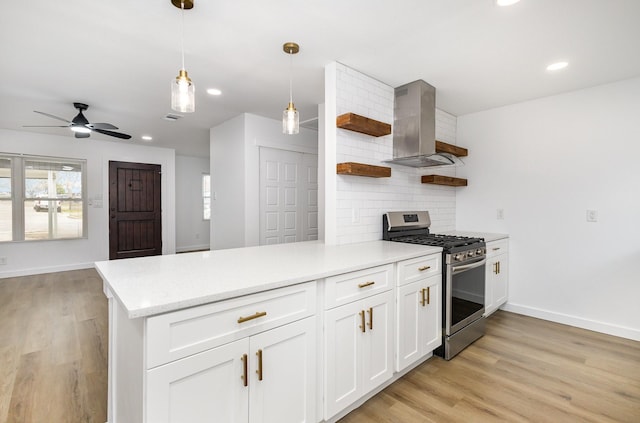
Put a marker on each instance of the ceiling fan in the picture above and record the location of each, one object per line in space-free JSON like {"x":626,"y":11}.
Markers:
{"x":81,"y":127}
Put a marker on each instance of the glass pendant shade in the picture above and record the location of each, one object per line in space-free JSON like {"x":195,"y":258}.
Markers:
{"x":183,"y":96}
{"x":290,"y":120}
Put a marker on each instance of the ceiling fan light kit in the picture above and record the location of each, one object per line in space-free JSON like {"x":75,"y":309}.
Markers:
{"x":290,"y":116}
{"x":183,"y":96}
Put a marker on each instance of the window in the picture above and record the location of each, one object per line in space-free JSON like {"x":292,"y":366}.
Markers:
{"x":206,"y":197}
{"x":41,"y":198}
{"x":6,"y":211}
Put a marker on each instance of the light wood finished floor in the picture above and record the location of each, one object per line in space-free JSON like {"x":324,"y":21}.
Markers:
{"x":53,"y":348}
{"x":522,"y":370}
{"x":53,"y":359}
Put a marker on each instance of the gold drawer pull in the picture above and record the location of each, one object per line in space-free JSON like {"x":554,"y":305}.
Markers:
{"x":423,"y":268}
{"x":253,"y":316}
{"x":259,"y":371}
{"x":496,"y":248}
{"x":363,"y":285}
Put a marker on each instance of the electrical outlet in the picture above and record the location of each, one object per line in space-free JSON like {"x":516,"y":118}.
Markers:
{"x":3,"y":261}
{"x":355,"y":215}
{"x":500,"y":214}
{"x":592,"y":215}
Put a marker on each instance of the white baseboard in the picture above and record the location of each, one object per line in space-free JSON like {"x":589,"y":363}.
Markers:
{"x":49,"y":269}
{"x":609,"y":329}
{"x":187,"y":248}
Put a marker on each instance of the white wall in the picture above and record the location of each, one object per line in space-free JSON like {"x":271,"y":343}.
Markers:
{"x":235,"y":174}
{"x":32,"y":257}
{"x":192,"y":231}
{"x":546,"y":162}
{"x":355,"y":204}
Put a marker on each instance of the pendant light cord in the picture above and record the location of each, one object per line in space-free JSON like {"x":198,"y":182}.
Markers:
{"x":290,"y":76}
{"x":182,"y":32}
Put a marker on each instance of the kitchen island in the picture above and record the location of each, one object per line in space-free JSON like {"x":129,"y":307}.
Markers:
{"x":202,"y":334}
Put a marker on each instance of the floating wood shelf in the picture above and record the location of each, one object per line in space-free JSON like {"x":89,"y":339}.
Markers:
{"x":444,"y":180}
{"x":360,"y":169}
{"x":364,"y":125}
{"x":443,"y":147}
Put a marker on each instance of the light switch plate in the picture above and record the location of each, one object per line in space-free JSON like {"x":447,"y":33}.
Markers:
{"x":592,"y":215}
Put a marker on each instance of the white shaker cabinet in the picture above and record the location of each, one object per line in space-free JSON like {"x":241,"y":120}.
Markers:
{"x":497,"y":275}
{"x":269,"y":377}
{"x":250,"y":359}
{"x":419,"y":302}
{"x":358,"y":338}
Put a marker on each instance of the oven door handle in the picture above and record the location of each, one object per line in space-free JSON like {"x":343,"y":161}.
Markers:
{"x":465,"y":267}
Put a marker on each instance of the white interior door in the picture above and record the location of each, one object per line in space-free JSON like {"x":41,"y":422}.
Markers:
{"x":288,"y":196}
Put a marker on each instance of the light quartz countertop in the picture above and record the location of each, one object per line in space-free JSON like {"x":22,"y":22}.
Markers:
{"x":488,"y":237}
{"x":151,"y":285}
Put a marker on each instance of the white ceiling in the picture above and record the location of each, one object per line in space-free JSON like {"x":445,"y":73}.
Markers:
{"x":119,"y":56}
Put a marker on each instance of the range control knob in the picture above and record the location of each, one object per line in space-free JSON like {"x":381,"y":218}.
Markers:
{"x":479,"y":251}
{"x":471,"y":254}
{"x":458,"y":257}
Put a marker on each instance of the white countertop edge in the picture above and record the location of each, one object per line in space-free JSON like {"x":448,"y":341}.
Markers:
{"x":136,"y":311}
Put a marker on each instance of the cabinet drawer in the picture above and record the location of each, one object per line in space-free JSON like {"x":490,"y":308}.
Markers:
{"x":419,"y":268}
{"x":182,"y":333}
{"x":500,"y":246}
{"x":343,"y":289}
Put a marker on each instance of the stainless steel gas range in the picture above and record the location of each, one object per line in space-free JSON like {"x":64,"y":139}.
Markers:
{"x":463,"y":277}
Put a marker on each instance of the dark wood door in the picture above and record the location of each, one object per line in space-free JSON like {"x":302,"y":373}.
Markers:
{"x":135,"y":215}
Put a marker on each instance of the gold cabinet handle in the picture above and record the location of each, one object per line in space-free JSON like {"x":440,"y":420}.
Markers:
{"x":362,"y":326}
{"x":259,"y":371}
{"x":253,"y":316}
{"x":495,"y":248}
{"x":371,"y":318}
{"x":498,"y":263}
{"x":423,"y":268}
{"x":363,"y":285}
{"x":495,"y":268}
{"x":244,"y":370}
{"x":426,"y":296}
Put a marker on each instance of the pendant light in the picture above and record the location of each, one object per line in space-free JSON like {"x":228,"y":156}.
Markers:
{"x":183,"y":96}
{"x":290,"y":117}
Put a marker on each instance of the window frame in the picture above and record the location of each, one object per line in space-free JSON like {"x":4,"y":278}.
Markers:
{"x":204,"y":197}
{"x":19,"y":195}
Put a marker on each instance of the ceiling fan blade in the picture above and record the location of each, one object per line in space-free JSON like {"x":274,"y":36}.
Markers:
{"x":82,"y":134}
{"x":44,"y":126}
{"x":101,"y":126}
{"x":113,"y":134}
{"x":52,"y":116}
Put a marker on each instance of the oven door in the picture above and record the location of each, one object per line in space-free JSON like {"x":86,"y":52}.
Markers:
{"x":464,"y":294}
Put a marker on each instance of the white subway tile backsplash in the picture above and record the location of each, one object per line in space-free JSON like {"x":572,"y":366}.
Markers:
{"x":371,"y":197}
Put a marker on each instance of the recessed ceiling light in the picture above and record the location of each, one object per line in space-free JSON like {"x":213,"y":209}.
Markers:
{"x":557,"y":66}
{"x":147,"y":137}
{"x":214,"y":91}
{"x":506,"y":2}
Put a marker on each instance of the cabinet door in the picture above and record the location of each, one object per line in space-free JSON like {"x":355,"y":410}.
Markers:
{"x":285,"y":360}
{"x":431,"y":314}
{"x":343,"y":335}
{"x":491,"y":272}
{"x":205,"y":387}
{"x":501,"y":281}
{"x":377,"y":349}
{"x":419,"y":322}
{"x":409,"y":309}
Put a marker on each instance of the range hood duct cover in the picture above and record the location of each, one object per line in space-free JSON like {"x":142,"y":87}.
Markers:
{"x":414,"y":127}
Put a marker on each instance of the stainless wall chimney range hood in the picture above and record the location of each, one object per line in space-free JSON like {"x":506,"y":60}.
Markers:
{"x":414,"y":127}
